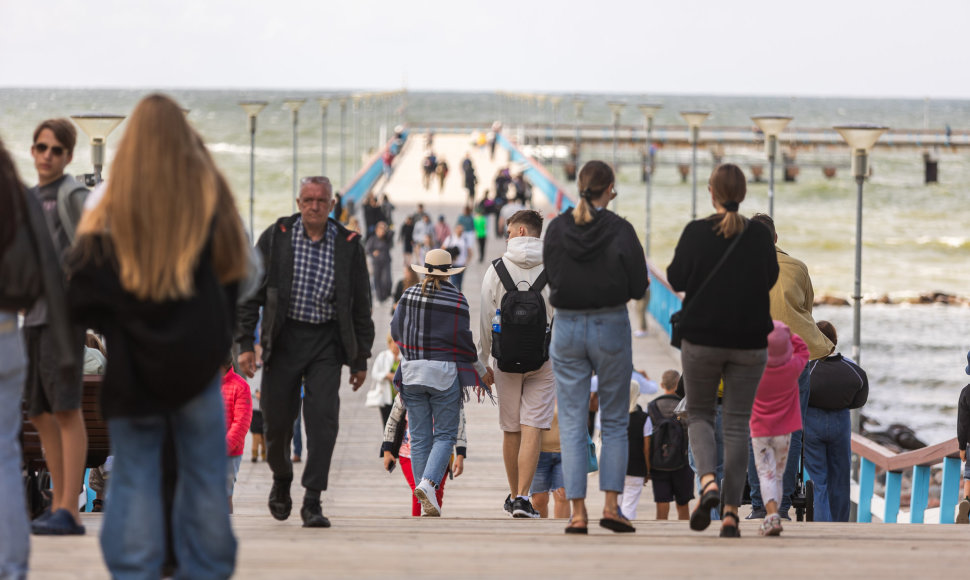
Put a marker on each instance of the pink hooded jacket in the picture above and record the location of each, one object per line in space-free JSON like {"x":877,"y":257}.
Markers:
{"x":776,"y":409}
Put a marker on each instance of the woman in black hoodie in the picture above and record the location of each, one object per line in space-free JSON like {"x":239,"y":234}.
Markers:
{"x":595,"y":265}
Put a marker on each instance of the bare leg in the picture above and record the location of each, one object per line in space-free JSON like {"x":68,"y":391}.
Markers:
{"x":683,"y":511}
{"x":74,"y":451}
{"x":50,"y":439}
{"x":540,"y":501}
{"x":530,"y":440}
{"x":561,"y":508}
{"x":663,"y":510}
{"x":579,"y":517}
{"x":510,"y":455}
{"x":612,"y":508}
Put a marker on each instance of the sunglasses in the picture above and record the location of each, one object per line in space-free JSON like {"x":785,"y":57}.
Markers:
{"x":316,"y":180}
{"x":42,"y":148}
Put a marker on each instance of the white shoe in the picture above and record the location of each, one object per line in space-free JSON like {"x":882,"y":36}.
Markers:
{"x":425,"y":492}
{"x":640,"y":333}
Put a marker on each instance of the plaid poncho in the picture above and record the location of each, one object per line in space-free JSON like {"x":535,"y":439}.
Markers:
{"x":437,"y":326}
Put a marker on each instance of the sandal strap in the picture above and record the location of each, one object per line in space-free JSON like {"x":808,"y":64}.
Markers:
{"x":707,"y":485}
{"x":733,"y":516}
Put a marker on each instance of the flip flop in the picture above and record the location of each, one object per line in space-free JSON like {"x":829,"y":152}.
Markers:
{"x":571,"y":529}
{"x":700,"y":518}
{"x":618,"y":526}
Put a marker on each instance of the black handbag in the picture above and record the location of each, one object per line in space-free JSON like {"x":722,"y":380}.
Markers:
{"x":677,"y":318}
{"x":21,"y":279}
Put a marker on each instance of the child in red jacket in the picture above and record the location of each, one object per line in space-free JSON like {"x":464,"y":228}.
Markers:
{"x":776,"y":414}
{"x":239,"y":411}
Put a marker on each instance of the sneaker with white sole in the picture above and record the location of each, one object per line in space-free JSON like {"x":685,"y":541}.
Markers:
{"x":507,"y":508}
{"x":425,"y":492}
{"x":963,"y":513}
{"x":771,"y":526}
{"x":522,"y":508}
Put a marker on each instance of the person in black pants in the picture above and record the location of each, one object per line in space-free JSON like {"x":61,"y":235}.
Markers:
{"x":316,"y":301}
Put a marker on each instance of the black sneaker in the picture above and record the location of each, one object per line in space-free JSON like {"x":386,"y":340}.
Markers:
{"x":508,"y":505}
{"x":312,"y":515}
{"x":757,"y":514}
{"x":522,"y":508}
{"x":280,"y":503}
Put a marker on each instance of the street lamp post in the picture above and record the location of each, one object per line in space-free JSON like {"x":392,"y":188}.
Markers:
{"x":343,"y":141}
{"x":252,"y":109}
{"x":355,"y":118}
{"x":649,"y":112}
{"x":97,"y":126}
{"x":556,"y":100}
{"x":578,"y":104}
{"x":771,"y":126}
{"x":324,"y":105}
{"x":294,"y":106}
{"x":861,"y":138}
{"x":694,"y":120}
{"x":616,"y":108}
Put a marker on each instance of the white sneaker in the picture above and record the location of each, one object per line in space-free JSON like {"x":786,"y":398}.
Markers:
{"x":425,"y":492}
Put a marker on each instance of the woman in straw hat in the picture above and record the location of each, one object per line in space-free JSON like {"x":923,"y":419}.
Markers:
{"x":432,"y":326}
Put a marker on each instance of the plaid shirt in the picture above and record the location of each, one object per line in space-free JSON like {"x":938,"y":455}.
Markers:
{"x":313,"y":276}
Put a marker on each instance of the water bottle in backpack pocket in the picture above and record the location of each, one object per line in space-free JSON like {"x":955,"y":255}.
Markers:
{"x":520,"y":329}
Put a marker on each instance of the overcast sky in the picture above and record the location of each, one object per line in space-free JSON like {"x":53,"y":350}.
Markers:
{"x":819,"y":47}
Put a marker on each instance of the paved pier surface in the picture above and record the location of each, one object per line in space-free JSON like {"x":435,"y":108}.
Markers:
{"x":373,"y":535}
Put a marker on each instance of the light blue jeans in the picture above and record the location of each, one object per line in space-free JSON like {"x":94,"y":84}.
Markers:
{"x":584,"y":342}
{"x":433,"y":426}
{"x":14,"y":527}
{"x":133,"y":531}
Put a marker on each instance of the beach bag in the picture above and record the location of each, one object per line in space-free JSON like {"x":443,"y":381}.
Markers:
{"x":668,"y":444}
{"x":523,"y":343}
{"x":591,"y":463}
{"x":379,"y":395}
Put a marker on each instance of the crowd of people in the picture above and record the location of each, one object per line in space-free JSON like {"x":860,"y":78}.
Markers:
{"x":157,"y":263}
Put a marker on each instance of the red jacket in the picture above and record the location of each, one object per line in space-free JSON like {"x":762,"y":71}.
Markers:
{"x":776,"y":409}
{"x":239,"y":411}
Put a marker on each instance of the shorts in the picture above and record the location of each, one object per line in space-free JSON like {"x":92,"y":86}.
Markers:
{"x":548,"y":475}
{"x":231,"y":472}
{"x":256,"y":424}
{"x":526,"y":398}
{"x":671,"y":485}
{"x":966,"y":470}
{"x":47,"y":390}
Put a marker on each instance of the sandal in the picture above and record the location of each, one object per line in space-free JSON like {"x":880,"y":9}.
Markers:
{"x":620,"y":524}
{"x":730,"y":531}
{"x":700,"y":518}
{"x":571,"y":529}
{"x":771,"y":526}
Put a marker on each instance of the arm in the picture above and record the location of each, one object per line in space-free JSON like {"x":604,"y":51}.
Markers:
{"x":646,"y":453}
{"x":247,"y":312}
{"x":636,"y":265}
{"x":390,"y":429}
{"x":485,"y":313}
{"x":461,"y":445}
{"x":361,"y":312}
{"x":963,"y":420}
{"x":678,"y":272}
{"x":241,"y":416}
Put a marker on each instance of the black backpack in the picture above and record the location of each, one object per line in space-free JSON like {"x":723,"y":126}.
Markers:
{"x":668,"y":444}
{"x":523,"y":344}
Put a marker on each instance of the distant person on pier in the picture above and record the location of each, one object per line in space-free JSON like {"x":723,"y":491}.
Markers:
{"x":837,"y":385}
{"x":458,"y":245}
{"x":493,"y":138}
{"x":441,"y":170}
{"x":518,"y":356}
{"x":432,"y":325}
{"x":724,"y":328}
{"x":963,"y":435}
{"x":53,"y":400}
{"x":407,"y":238}
{"x":468,"y":170}
{"x":441,"y":231}
{"x":481,"y":233}
{"x":379,"y":249}
{"x":595,"y":265}
{"x":157,"y":267}
{"x":792,"y":300}
{"x":422,"y":229}
{"x":428,"y":166}
{"x":316,"y":301}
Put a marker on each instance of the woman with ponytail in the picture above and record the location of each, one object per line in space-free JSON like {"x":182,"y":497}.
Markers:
{"x":725,"y":331}
{"x":595,"y":265}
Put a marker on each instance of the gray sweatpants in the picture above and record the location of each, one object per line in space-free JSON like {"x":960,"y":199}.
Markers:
{"x":704,"y":366}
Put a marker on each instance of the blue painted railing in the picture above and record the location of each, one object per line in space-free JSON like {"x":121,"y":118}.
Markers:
{"x":368,"y":175}
{"x":664,"y":301}
{"x":538,"y":176}
{"x":875,"y":457}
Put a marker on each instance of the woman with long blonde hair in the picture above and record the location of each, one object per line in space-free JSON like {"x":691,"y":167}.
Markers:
{"x":155,"y":269}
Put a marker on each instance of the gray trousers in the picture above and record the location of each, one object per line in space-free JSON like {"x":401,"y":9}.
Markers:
{"x":704,"y":366}
{"x":307,"y":354}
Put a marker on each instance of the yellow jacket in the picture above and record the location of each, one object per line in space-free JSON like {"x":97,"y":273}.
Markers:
{"x":792,"y":298}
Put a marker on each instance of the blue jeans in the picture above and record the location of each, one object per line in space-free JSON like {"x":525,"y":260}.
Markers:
{"x":583,"y":342}
{"x":794,"y":455}
{"x":433,"y":428}
{"x":14,"y":528}
{"x":133,"y":531}
{"x":828,"y":460}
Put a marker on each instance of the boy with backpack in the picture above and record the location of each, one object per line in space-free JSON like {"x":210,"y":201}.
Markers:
{"x":673,"y":479}
{"x":513,"y":344}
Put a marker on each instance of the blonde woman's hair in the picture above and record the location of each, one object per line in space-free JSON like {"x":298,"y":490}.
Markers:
{"x":729,"y":187}
{"x":432,"y":280}
{"x":164,"y":199}
{"x":594,"y":182}
{"x":634,"y":395}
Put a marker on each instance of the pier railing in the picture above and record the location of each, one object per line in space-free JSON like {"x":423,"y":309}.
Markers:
{"x":538,"y":175}
{"x":874,"y":458}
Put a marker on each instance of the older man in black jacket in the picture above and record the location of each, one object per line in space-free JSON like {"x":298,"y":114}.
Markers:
{"x":316,"y":303}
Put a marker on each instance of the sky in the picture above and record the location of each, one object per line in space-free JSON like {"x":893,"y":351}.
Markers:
{"x":862,"y":48}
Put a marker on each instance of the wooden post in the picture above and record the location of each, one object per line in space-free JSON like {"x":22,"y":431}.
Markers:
{"x":894,"y":486}
{"x":950,"y":489}
{"x":920,"y":493}
{"x":867,"y":477}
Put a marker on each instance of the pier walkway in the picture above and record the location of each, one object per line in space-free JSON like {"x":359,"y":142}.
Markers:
{"x":373,"y":535}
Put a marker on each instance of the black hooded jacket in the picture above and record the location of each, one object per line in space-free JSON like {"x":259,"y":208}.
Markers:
{"x":597,"y":265}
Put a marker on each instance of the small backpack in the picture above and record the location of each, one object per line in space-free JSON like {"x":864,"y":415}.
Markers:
{"x":523,"y":344}
{"x":668,"y":444}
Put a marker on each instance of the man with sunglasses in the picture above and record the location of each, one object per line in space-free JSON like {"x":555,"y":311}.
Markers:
{"x":53,"y":399}
{"x":316,"y":317}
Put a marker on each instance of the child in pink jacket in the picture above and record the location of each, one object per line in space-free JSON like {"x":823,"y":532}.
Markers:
{"x":776,"y":414}
{"x":239,"y":411}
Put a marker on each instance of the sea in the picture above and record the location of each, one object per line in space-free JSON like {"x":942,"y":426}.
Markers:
{"x":915,"y":238}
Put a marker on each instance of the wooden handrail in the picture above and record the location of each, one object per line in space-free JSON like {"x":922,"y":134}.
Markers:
{"x":661,"y":277}
{"x":888,"y":460}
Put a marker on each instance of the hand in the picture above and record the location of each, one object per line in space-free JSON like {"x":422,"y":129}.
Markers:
{"x":357,"y":379}
{"x":459,"y":466}
{"x":963,"y":455}
{"x":388,"y":461}
{"x":489,"y":378}
{"x":247,"y":363}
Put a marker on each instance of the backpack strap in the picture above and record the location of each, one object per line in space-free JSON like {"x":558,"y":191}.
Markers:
{"x":503,"y":275}
{"x":540,"y":282}
{"x":68,"y":211}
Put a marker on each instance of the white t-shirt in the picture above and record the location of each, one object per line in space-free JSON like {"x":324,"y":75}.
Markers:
{"x":460,"y":242}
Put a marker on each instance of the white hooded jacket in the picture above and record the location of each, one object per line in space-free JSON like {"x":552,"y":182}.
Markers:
{"x":523,"y":259}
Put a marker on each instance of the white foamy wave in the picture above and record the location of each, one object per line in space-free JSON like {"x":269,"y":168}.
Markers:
{"x":263,"y":152}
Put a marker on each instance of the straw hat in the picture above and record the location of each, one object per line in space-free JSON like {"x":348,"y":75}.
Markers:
{"x":437,"y":263}
{"x":779,"y":345}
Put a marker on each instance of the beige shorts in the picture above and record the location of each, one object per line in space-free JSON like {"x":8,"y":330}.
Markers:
{"x":526,"y":398}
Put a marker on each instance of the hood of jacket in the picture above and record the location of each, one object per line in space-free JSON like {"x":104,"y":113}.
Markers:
{"x":588,"y":242}
{"x":525,"y":252}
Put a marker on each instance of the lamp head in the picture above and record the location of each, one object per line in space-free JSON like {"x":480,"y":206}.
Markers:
{"x":694,"y":118}
{"x":650,"y":110}
{"x":861,"y":137}
{"x":771,"y":125}
{"x":293,"y":104}
{"x":97,"y":126}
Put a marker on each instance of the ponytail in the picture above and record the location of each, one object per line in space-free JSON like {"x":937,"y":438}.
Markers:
{"x":594,"y":180}
{"x":584,"y":212}
{"x":433,"y":281}
{"x":729,"y":187}
{"x":731,"y":224}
